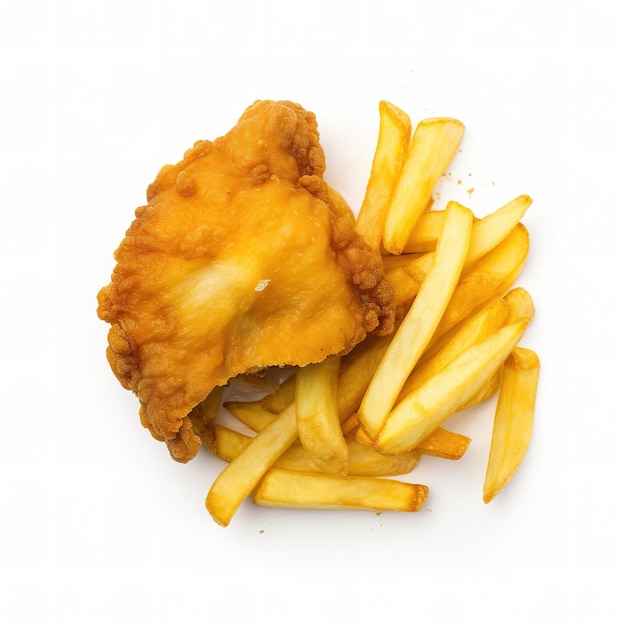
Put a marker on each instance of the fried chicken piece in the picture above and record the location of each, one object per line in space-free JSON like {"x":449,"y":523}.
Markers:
{"x":241,"y":260}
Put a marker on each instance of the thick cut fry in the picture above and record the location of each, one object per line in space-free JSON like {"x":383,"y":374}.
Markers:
{"x":229,"y":443}
{"x":356,"y":372}
{"x":513,"y":421}
{"x":253,"y":414}
{"x":418,"y":326}
{"x":434,"y":144}
{"x":282,"y":396}
{"x":365,"y":461}
{"x":520,"y":303}
{"x":241,"y":475}
{"x":362,"y":460}
{"x":413,"y":419}
{"x":280,"y":488}
{"x":494,"y":228}
{"x":425,"y":235}
{"x":485,"y":392}
{"x":441,"y":443}
{"x":487,"y":234}
{"x":444,"y":444}
{"x":394,"y":261}
{"x":317,"y":415}
{"x":394,"y":137}
{"x":493,"y":275}
{"x":493,"y":316}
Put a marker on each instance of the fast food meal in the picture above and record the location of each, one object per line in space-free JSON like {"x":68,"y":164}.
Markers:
{"x":378,"y":326}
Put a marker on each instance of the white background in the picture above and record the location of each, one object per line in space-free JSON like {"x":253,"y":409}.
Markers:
{"x":98,"y":525}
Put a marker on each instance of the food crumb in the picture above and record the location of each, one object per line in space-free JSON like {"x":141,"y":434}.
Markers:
{"x":470,"y":191}
{"x":261,"y":531}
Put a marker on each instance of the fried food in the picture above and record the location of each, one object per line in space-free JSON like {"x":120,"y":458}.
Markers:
{"x":242,"y":259}
{"x":513,"y":419}
{"x":245,"y":261}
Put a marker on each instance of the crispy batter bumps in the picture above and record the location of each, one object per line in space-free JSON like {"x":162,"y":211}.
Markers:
{"x":241,"y":260}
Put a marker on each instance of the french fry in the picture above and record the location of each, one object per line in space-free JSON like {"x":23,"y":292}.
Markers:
{"x":493,"y":275}
{"x":487,"y":233}
{"x":494,"y":228}
{"x":433,"y":145}
{"x":238,"y":479}
{"x":394,"y":137}
{"x":513,"y":420}
{"x":485,"y":392}
{"x":520,"y":303}
{"x":395,"y":261}
{"x":444,"y":444}
{"x":493,"y":316}
{"x":281,"y":488}
{"x":426,"y":233}
{"x":365,"y":461}
{"x":362,"y":460}
{"x":253,"y":414}
{"x":317,"y":415}
{"x":418,"y":326}
{"x":356,"y":371}
{"x":413,"y":419}
{"x":441,"y":443}
{"x":282,"y":396}
{"x":229,"y":443}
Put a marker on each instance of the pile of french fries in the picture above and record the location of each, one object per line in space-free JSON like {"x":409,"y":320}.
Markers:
{"x":339,"y":433}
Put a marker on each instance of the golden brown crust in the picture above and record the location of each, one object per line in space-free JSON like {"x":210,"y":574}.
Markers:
{"x":237,"y":261}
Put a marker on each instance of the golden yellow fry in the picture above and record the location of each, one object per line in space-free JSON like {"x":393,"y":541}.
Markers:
{"x":405,"y":288}
{"x":392,"y":262}
{"x":485,"y":392}
{"x":441,"y":443}
{"x":317,"y":415}
{"x":394,"y":137}
{"x":444,"y":444}
{"x":241,"y":475}
{"x":513,"y":421}
{"x":433,"y":145}
{"x":229,"y":443}
{"x":281,"y":488}
{"x":252,"y":414}
{"x":413,"y":419}
{"x":362,"y":460}
{"x":520,"y":303}
{"x":491,"y":317}
{"x":356,"y":372}
{"x":494,"y":228}
{"x":425,"y":235}
{"x":491,"y":276}
{"x":418,"y":326}
{"x":365,"y":461}
{"x":351,"y":424}
{"x":487,"y":233}
{"x":282,"y":396}
{"x":361,"y":436}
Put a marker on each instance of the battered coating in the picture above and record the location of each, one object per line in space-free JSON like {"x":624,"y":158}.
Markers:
{"x":241,"y":260}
